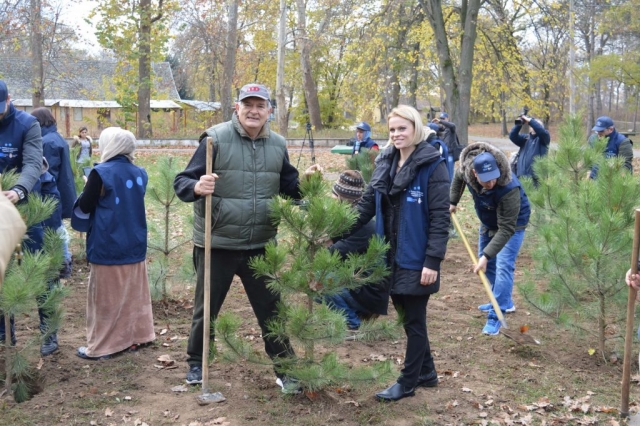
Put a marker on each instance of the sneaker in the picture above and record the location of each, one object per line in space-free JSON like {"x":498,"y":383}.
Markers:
{"x":289,"y":385}
{"x":194,"y":375}
{"x":82,"y":353}
{"x":492,"y":327}
{"x":488,"y":306}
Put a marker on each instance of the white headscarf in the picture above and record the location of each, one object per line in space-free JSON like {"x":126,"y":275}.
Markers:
{"x":116,"y":141}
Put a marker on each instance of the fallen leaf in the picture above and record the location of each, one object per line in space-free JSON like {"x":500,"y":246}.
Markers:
{"x":40,"y":364}
{"x":219,"y":420}
{"x":108,"y":412}
{"x":354,"y":403}
{"x":524,"y":328}
{"x":180,"y":388}
{"x":163,"y":331}
{"x":466,"y":390}
{"x":591,"y":351}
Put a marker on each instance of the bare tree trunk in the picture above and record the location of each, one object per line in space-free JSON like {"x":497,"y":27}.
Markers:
{"x":457,"y":86}
{"x":145,"y":129}
{"x":37,"y":68}
{"x":283,"y":121}
{"x":309,"y":84}
{"x":229,"y":61}
{"x":413,"y":85}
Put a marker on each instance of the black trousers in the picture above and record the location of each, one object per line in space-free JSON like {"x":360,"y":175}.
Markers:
{"x":418,"y":359}
{"x":224,"y":265}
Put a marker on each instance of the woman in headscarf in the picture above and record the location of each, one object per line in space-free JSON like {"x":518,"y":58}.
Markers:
{"x":111,"y":211}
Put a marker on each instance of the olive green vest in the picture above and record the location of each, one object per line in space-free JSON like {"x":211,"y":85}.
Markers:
{"x":249,"y":177}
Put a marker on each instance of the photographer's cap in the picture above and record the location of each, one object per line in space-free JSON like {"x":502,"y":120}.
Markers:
{"x":4,"y":95}
{"x":486,"y":167}
{"x":444,"y":115}
{"x":602,"y":123}
{"x":254,"y":90}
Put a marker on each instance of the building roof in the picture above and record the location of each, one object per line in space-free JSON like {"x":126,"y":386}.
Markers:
{"x":201,"y":105}
{"x":164,"y":104}
{"x":79,"y":80}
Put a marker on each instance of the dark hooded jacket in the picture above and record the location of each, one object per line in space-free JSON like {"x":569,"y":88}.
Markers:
{"x":531,"y":147}
{"x":503,"y":209}
{"x":56,"y":151}
{"x":412,"y":209}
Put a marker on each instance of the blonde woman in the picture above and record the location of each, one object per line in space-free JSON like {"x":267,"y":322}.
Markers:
{"x":409,"y":197}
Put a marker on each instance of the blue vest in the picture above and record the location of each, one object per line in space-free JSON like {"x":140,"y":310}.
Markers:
{"x":118,"y":233}
{"x":487,"y":203}
{"x":13,"y":129}
{"x":413,"y":224}
{"x":613,"y":144}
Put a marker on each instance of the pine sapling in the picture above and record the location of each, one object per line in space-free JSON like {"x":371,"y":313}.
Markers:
{"x":583,"y":233}
{"x":302,"y":269}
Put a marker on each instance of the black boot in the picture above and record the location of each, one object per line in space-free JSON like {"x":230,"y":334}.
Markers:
{"x":395,"y":392}
{"x":49,"y":345}
{"x":429,"y":380}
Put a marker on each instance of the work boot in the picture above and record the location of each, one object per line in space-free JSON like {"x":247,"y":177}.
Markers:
{"x":49,"y":345}
{"x":66,"y":270}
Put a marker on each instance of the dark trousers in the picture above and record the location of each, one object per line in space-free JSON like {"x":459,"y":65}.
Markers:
{"x":224,"y":265}
{"x":418,"y":359}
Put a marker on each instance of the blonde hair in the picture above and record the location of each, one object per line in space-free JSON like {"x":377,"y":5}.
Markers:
{"x":411,"y":114}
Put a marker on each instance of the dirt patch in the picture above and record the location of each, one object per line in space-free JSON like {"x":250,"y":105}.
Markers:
{"x":481,"y":378}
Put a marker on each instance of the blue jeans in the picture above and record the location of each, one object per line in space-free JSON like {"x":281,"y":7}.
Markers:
{"x":344,"y":302}
{"x":500,"y":269}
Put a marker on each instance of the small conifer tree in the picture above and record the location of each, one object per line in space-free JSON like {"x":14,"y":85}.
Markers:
{"x":162,"y":241}
{"x":364,"y":162}
{"x":301,"y":268}
{"x":582,"y":230}
{"x":26,"y":288}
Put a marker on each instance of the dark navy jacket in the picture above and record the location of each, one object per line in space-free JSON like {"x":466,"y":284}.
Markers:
{"x":530,"y":147}
{"x":56,"y":151}
{"x":118,"y":234}
{"x":487,"y":202}
{"x":13,"y":129}
{"x":47,"y":187}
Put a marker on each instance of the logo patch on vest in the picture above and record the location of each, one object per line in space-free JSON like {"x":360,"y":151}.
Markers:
{"x":415,"y":195}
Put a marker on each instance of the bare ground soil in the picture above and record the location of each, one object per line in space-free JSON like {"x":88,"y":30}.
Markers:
{"x":483,"y":380}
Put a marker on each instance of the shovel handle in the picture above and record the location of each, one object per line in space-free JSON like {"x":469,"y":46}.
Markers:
{"x":483,"y":276}
{"x":207,"y":275}
{"x":631,"y":308}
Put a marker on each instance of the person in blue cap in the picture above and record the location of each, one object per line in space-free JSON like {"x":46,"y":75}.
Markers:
{"x":363,"y":138}
{"x":20,"y":151}
{"x":617,"y":143}
{"x":503,"y":209}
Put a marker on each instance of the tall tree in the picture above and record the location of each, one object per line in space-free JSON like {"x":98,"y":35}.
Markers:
{"x":283,"y":122}
{"x":37,"y":67}
{"x":308,"y":82}
{"x":229,"y":60}
{"x":456,"y":82}
{"x":136,"y":32}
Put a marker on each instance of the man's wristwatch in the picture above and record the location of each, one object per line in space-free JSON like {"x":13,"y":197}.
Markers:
{"x":20,"y":192}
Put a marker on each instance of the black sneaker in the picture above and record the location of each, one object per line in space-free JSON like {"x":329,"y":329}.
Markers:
{"x":194,"y":375}
{"x":289,"y":385}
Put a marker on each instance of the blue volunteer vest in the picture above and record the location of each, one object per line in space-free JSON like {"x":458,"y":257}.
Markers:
{"x":486,"y":204}
{"x":118,"y":234}
{"x":413,"y":225}
{"x":13,"y":129}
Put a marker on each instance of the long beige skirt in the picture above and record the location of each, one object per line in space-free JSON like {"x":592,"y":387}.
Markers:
{"x":119,"y":312}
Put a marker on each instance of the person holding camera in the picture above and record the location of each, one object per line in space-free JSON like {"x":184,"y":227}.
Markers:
{"x":532,"y":145}
{"x":447,"y":132}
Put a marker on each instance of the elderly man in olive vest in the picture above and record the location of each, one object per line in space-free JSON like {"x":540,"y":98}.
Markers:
{"x":251,"y":165}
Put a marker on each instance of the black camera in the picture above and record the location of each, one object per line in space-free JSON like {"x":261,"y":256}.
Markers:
{"x":519,"y":121}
